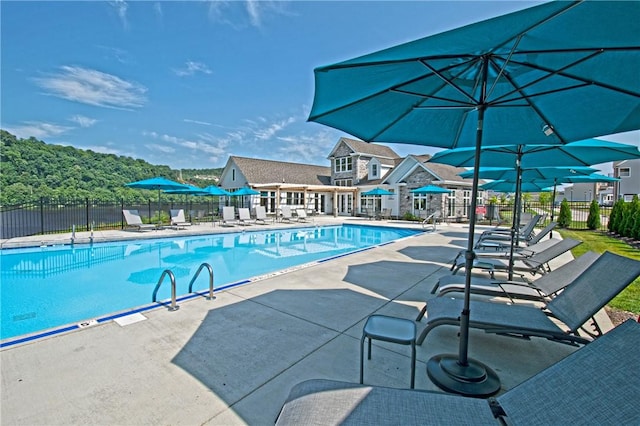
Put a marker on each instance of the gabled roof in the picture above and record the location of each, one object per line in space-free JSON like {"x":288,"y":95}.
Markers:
{"x":269,"y":171}
{"x":385,"y":154}
{"x":442,"y":172}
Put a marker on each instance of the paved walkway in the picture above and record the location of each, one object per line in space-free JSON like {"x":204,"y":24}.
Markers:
{"x":234,"y":359}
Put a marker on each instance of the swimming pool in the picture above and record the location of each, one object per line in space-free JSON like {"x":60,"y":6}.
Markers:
{"x":48,"y":287}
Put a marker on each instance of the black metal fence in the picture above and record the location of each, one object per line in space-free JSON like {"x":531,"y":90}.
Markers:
{"x":45,"y":216}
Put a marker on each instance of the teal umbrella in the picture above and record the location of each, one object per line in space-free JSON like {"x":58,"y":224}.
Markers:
{"x":158,"y":183}
{"x":215,"y":191}
{"x":528,"y":174}
{"x":507,"y":186}
{"x":430,"y":189}
{"x":554,"y":73}
{"x":377,"y":191}
{"x":244,"y":191}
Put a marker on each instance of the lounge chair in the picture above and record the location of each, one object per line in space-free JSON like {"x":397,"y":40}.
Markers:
{"x":536,"y":264}
{"x":178,"y":221}
{"x":504,"y":234}
{"x":518,"y":251}
{"x":229,"y":216}
{"x":286,"y":213}
{"x":385,"y":214}
{"x":593,"y":385}
{"x":573,"y":306}
{"x":244,"y":216}
{"x":541,"y":289}
{"x":197,"y":216}
{"x":133,"y":219}
{"x":301,"y":215}
{"x":503,"y":244}
{"x":261,"y":215}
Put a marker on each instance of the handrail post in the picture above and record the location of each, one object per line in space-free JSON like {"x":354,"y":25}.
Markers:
{"x":210,"y":269}
{"x":173,"y":306}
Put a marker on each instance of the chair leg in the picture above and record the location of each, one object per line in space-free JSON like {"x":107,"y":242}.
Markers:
{"x":362,"y":359}
{"x":369,"y":355}
{"x":422,"y":312}
{"x":413,"y":364}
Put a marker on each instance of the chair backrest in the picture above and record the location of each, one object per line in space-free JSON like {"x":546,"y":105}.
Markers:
{"x":132,"y":217}
{"x":527,"y":230}
{"x":596,"y":384}
{"x":302,"y":213}
{"x":286,"y":212}
{"x":177,"y":215}
{"x":593,"y":289}
{"x":561,"y":277}
{"x":261,"y":212}
{"x":244,"y":214}
{"x":540,"y":235}
{"x":228,"y":213}
{"x":544,"y":256}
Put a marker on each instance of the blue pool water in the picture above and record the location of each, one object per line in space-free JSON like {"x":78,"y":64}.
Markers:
{"x":48,"y":287}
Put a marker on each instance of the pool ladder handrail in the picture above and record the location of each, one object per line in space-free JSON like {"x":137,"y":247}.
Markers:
{"x":173,"y":306}
{"x":195,"y":276}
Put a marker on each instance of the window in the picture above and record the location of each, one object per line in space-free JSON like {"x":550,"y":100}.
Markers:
{"x":624,"y":172}
{"x":344,"y":182}
{"x":233,"y":174}
{"x":295,"y":198}
{"x":343,"y":164}
{"x":374,"y":171}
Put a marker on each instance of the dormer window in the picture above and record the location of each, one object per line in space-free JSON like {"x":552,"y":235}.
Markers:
{"x":374,"y":169}
{"x":343,"y":164}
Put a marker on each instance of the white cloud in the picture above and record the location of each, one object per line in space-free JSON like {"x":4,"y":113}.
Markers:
{"x":93,"y":87}
{"x":273,"y":128}
{"x":121,"y":9}
{"x":83,"y":121}
{"x":243,"y":14}
{"x":204,"y":123}
{"x":192,"y":67}
{"x":39,"y":130}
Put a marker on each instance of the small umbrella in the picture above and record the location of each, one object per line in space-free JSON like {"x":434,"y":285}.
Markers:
{"x":507,"y":186}
{"x":215,"y":191}
{"x":242,"y":192}
{"x":159,"y":183}
{"x":377,"y":191}
{"x":552,"y":73}
{"x":430,"y":189}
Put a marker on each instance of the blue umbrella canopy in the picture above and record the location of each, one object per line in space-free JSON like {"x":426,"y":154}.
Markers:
{"x":430,"y":189}
{"x":510,"y":174}
{"x":377,"y":191}
{"x":158,"y":183}
{"x":188,"y":190}
{"x":550,"y":74}
{"x":507,"y":186}
{"x":245,"y":191}
{"x":215,"y":191}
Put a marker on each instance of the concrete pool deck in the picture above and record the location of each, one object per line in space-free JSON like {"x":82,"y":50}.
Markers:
{"x":234,"y":359}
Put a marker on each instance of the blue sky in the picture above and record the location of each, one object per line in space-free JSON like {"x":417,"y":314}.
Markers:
{"x":188,"y":83}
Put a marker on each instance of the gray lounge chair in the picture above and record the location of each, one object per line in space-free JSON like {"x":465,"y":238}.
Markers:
{"x":178,"y":221}
{"x":536,"y":264}
{"x":541,"y":289}
{"x":244,"y":216}
{"x":301,"y":214}
{"x":133,"y":219}
{"x":524,"y":233}
{"x":498,"y":244}
{"x":229,"y":216}
{"x":574,"y":306}
{"x":593,"y":385}
{"x":518,"y":252}
{"x":261,"y":215}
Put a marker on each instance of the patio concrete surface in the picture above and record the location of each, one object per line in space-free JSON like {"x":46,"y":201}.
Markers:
{"x":234,"y":359}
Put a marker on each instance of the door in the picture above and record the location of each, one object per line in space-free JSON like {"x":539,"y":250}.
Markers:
{"x":345,"y":204}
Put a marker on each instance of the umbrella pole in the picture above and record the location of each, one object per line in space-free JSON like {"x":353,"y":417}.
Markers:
{"x":553,"y":203}
{"x":461,"y":374}
{"x":515,"y":228}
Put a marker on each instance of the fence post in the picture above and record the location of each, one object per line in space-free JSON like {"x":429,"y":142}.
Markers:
{"x":121,"y":215}
{"x":87,"y":211}
{"x":149,"y":207}
{"x":41,"y":215}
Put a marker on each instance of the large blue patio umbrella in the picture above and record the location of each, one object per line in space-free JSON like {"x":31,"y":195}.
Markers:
{"x":157,"y":183}
{"x":244,"y":191}
{"x":377,"y":192}
{"x":553,"y":73}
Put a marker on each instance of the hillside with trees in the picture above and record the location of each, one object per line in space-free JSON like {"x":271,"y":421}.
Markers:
{"x":30,"y":169}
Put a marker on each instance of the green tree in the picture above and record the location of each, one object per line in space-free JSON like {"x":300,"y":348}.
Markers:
{"x":628,"y":222}
{"x":593,"y":220}
{"x":616,"y":216}
{"x":564,"y":218}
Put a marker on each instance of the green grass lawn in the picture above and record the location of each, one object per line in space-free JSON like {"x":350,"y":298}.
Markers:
{"x":629,"y":299}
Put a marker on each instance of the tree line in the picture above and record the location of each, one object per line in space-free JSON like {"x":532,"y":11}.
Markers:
{"x":32,"y":169}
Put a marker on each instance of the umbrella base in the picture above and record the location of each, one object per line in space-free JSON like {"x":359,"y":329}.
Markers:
{"x":475,"y":379}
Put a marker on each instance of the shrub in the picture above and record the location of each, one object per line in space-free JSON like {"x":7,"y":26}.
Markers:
{"x":593,"y":220}
{"x":631,"y":211}
{"x":564,"y":218}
